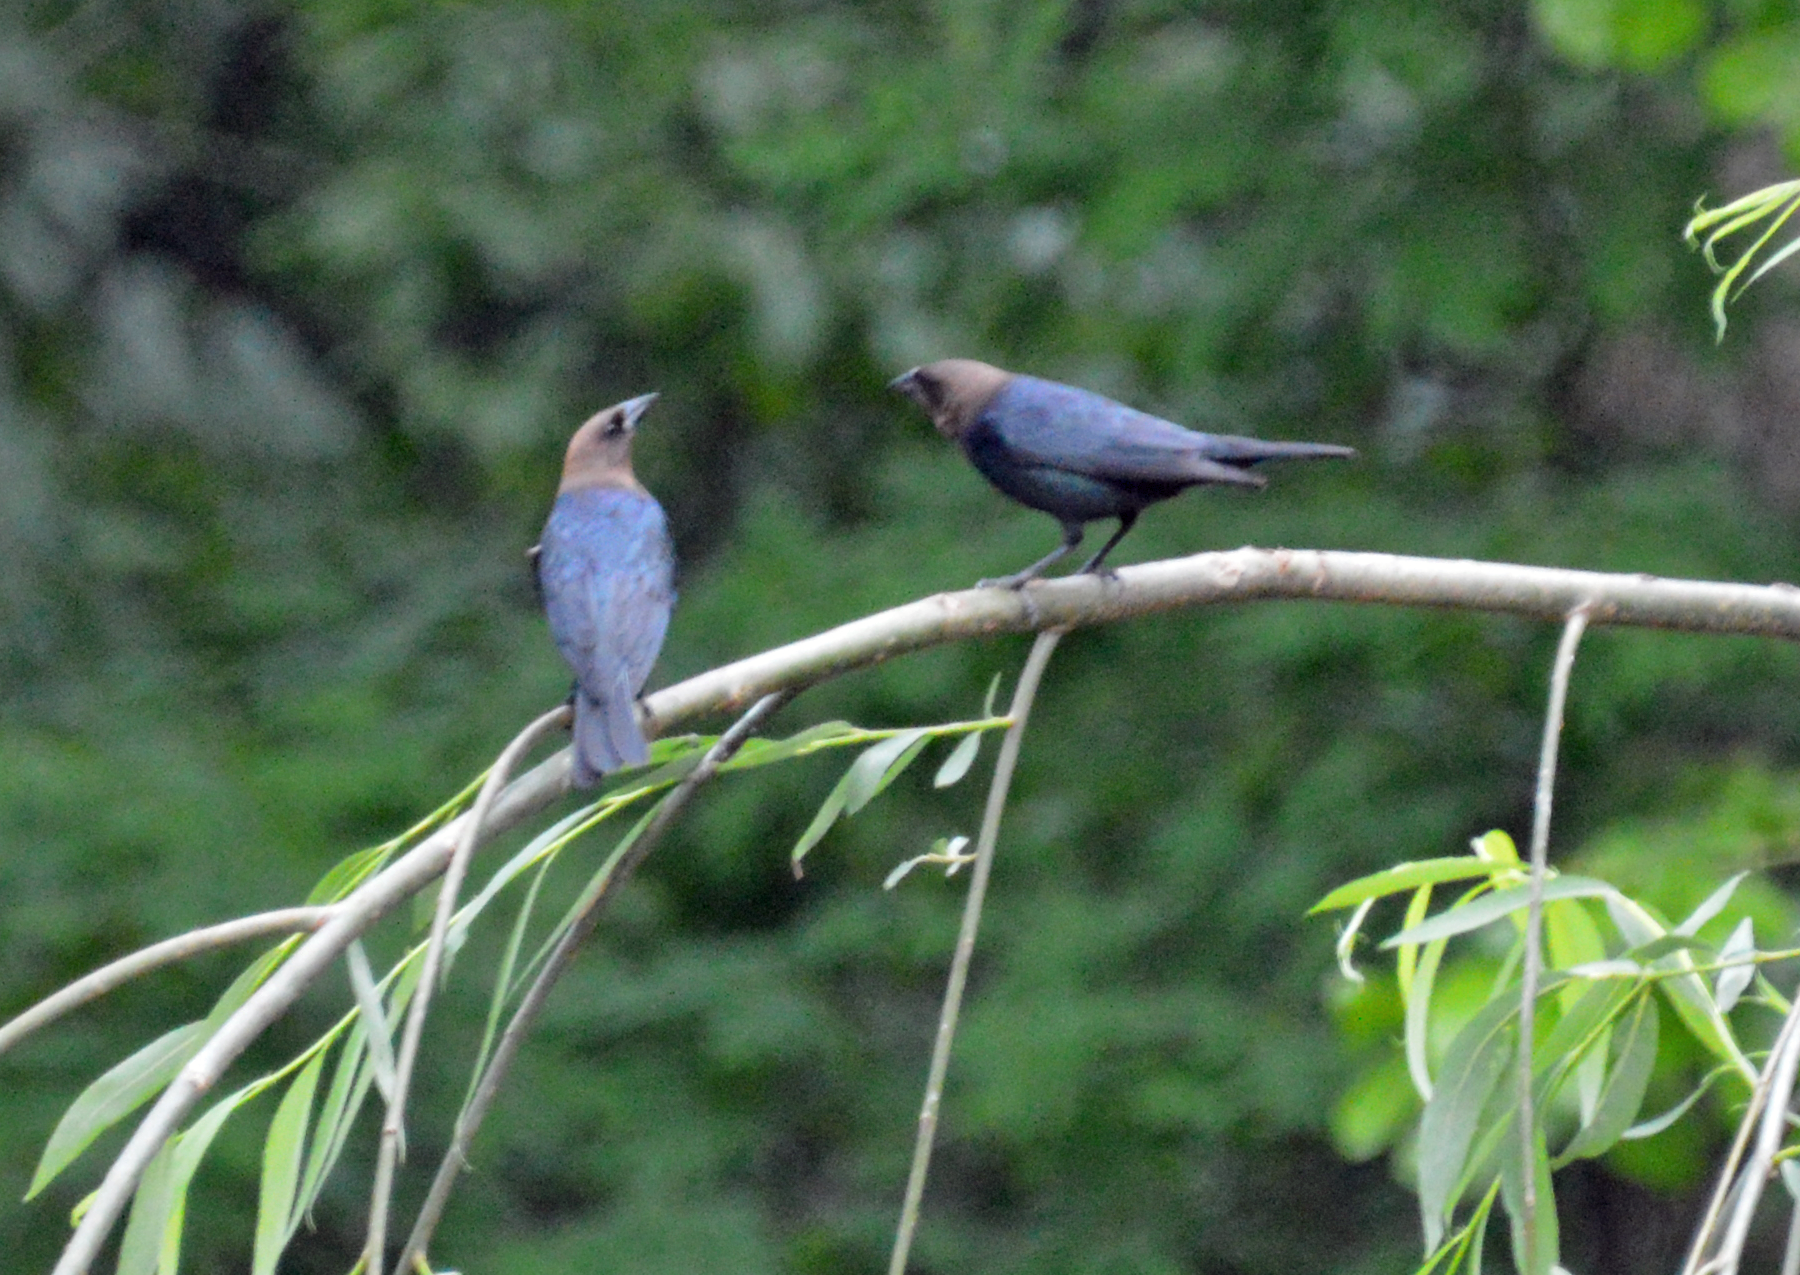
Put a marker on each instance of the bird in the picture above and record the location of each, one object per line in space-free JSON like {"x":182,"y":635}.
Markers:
{"x":1077,"y":455}
{"x":606,"y":573}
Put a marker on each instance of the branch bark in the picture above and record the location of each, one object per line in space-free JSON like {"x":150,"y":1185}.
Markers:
{"x":1239,"y":575}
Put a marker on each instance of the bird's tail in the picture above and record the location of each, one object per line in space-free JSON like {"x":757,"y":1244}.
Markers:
{"x":1248,"y":451}
{"x":607,"y":738}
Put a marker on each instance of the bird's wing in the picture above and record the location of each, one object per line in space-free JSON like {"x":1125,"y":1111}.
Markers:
{"x":1063,"y":427}
{"x":1077,"y":430}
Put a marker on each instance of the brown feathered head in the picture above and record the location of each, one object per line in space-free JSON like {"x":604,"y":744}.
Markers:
{"x":952,"y":391}
{"x":599,"y":454}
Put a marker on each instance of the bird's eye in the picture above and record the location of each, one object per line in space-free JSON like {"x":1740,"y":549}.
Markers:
{"x":615,"y":425}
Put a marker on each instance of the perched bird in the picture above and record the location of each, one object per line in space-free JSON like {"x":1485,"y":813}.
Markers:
{"x":607,"y":577}
{"x":1077,"y":455}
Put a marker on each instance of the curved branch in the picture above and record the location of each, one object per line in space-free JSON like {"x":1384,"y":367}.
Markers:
{"x":114,"y":974}
{"x":1238,"y":575}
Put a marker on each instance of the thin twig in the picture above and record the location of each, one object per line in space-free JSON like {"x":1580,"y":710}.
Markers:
{"x":965,"y":944}
{"x":525,"y":1017}
{"x":1768,"y":1113}
{"x":392,"y":1128}
{"x":1573,"y":628}
{"x":90,"y":987}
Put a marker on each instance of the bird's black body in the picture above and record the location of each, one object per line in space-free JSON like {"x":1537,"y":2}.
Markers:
{"x":1077,"y":455}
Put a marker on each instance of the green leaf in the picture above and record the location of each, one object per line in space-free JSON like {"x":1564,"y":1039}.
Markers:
{"x":822,"y":821}
{"x":957,"y":764}
{"x":764,"y":752}
{"x":343,"y":1101}
{"x":345,"y":875}
{"x":1573,"y":941}
{"x":1405,"y":876}
{"x":190,"y":1149}
{"x":1686,"y":993}
{"x":1476,"y":1061}
{"x":140,"y":1251}
{"x":1535,"y":1249}
{"x":1714,"y":904}
{"x":1626,"y":1084}
{"x":380,"y":1030}
{"x":880,"y":766}
{"x":1656,"y":1124}
{"x":1418,"y":1017}
{"x":282,"y":1151}
{"x":993,"y":693}
{"x":1734,"y":979}
{"x":1346,"y":944}
{"x":1464,"y":917}
{"x":1581,"y":1028}
{"x":114,"y":1096}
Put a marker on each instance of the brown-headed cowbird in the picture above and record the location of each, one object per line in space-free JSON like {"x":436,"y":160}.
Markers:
{"x":607,"y":576}
{"x":1077,"y":455}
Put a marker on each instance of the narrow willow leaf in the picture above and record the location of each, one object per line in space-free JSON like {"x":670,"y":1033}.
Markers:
{"x":1711,"y":907}
{"x":1618,"y":968}
{"x":1476,"y":1061}
{"x":1535,"y":1249}
{"x":380,"y":1031}
{"x":1346,"y":944}
{"x":1656,"y":1124}
{"x":1579,"y":1029}
{"x":1574,"y":940}
{"x":1401,"y":877}
{"x":821,"y":822}
{"x":346,"y":874}
{"x":114,"y":1096}
{"x":880,"y":766}
{"x":993,"y":693}
{"x":1734,"y":979}
{"x":1625,"y":1086}
{"x":1418,"y":1018}
{"x":141,"y":1249}
{"x":503,"y":980}
{"x":1489,"y":908}
{"x":1687,"y":993}
{"x":190,"y":1150}
{"x":282,"y":1152}
{"x":343,"y":1100}
{"x":957,"y":764}
{"x":1406,"y":960}
{"x":763,"y":752}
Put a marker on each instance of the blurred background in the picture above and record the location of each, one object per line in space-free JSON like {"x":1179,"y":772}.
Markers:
{"x":299,"y":303}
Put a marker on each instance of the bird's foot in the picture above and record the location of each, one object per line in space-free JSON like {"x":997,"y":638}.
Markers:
{"x":1016,"y":581}
{"x":1108,"y":574}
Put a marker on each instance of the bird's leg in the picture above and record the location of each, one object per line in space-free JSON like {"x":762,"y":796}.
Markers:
{"x":1071,"y":538}
{"x":1126,"y":523}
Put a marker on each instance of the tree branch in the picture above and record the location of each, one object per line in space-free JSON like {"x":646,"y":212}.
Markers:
{"x":114,"y":974}
{"x":1238,"y":575}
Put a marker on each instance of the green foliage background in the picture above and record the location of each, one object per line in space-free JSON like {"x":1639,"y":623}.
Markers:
{"x":299,"y":302}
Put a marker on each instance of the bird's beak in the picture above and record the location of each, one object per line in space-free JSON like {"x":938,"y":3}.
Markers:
{"x":634,"y":408}
{"x":907,"y":383}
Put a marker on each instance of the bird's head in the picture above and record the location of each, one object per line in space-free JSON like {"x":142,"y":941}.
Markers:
{"x":599,"y":454}
{"x":952,"y":391}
